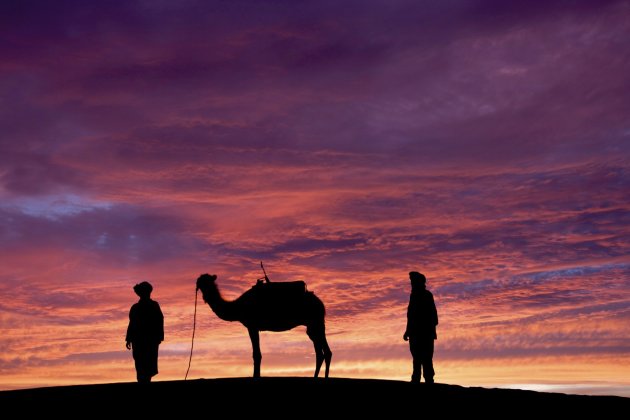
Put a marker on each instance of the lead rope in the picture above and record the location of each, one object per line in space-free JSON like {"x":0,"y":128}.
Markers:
{"x":192,"y":342}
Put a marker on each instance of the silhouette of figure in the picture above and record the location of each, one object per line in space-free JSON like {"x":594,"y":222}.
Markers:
{"x":145,"y":332}
{"x":422,"y":319}
{"x":272,"y":306}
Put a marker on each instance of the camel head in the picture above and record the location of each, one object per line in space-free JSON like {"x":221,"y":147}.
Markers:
{"x":205,"y":280}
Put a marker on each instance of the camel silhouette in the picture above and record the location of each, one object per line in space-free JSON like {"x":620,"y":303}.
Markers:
{"x":272,"y":306}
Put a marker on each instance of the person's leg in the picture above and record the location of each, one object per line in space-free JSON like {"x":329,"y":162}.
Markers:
{"x":414,"y":347}
{"x":152,"y":359}
{"x":142,"y":362}
{"x":427,"y":359}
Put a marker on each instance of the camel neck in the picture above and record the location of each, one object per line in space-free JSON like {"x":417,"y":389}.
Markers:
{"x":223,"y":308}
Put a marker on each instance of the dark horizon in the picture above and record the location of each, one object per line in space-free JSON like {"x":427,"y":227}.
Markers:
{"x":281,"y":397}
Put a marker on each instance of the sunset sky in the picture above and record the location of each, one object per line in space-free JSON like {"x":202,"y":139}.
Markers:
{"x":485,"y":143}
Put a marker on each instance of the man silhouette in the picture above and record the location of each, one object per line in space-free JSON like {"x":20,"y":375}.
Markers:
{"x":422,"y":319}
{"x":145,"y":332}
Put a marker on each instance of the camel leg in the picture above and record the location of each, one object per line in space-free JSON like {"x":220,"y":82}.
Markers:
{"x":257,"y":355}
{"x":319,"y":358}
{"x":327,"y":353}
{"x":319,"y":354}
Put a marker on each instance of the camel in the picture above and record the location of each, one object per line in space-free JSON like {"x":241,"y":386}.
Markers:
{"x":272,"y":306}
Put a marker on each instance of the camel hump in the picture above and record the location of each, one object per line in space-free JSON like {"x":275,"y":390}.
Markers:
{"x":285,"y":287}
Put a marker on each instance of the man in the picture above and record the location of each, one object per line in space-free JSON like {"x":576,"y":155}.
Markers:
{"x":422,"y":319}
{"x":145,"y":332}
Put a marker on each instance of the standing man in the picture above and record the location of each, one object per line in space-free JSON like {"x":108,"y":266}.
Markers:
{"x":422,"y":319}
{"x":145,"y":332}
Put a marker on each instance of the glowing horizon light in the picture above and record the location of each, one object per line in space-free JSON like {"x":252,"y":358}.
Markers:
{"x":622,"y":390}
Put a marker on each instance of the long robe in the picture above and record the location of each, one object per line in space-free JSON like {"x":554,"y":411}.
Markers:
{"x":145,"y":332}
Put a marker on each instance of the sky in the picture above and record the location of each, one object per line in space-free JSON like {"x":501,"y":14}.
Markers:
{"x":483,"y":143}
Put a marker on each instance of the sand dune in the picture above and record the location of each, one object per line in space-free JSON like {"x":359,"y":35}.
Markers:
{"x":299,"y":398}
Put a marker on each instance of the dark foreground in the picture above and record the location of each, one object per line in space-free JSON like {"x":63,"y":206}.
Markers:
{"x":299,"y":398}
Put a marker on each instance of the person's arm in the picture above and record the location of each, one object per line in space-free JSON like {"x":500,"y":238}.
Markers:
{"x":435,"y":317}
{"x":161,"y":322}
{"x":130,"y":328}
{"x":409,"y":320}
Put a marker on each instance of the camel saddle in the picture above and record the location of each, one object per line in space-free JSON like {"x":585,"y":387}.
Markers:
{"x":285,"y":287}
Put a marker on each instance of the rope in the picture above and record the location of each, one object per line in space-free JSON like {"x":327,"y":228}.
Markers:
{"x":192,"y":342}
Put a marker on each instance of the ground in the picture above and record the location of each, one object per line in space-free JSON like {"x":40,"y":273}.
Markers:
{"x":300,"y":398}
